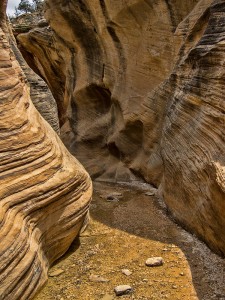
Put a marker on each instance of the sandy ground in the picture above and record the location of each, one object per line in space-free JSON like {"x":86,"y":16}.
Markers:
{"x":122,"y":235}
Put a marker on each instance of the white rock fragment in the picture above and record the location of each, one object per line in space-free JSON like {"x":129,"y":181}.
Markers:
{"x":154,"y":262}
{"x":123,"y":290}
{"x":150,"y":193}
{"x":126,"y":272}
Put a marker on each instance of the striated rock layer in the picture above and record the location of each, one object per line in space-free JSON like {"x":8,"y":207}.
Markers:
{"x":100,"y":63}
{"x":45,"y":192}
{"x":139,"y":88}
{"x":193,"y":139}
{"x":40,"y":94}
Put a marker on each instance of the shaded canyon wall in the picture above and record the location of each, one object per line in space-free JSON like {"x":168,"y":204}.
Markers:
{"x":100,"y":63}
{"x":139,"y":89}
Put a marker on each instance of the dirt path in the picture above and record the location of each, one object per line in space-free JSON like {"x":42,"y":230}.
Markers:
{"x":122,"y":235}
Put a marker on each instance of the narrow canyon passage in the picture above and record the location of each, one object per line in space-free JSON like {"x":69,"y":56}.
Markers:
{"x":122,"y":235}
{"x":118,"y":91}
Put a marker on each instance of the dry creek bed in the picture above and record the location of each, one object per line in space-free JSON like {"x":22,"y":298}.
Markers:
{"x":124,"y":231}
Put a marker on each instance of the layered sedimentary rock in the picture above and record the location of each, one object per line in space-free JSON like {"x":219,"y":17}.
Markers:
{"x":139,"y":88}
{"x":41,"y":95}
{"x":45,"y":192}
{"x":193,"y":140}
{"x":100,"y":63}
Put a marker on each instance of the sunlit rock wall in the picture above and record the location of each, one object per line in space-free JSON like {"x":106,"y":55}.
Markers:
{"x":139,"y":88}
{"x":44,"y":191}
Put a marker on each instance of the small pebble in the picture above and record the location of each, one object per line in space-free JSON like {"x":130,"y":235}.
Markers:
{"x":150,"y":193}
{"x":154,"y":262}
{"x":123,"y":290}
{"x":114,"y":196}
{"x":174,"y":287}
{"x":126,"y":272}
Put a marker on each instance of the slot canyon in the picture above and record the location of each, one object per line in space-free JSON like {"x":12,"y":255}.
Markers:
{"x":112,"y":150}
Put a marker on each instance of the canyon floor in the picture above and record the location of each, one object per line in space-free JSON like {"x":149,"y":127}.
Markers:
{"x":123,"y":235}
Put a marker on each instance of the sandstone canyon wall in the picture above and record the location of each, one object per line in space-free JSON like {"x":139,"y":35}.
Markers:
{"x":100,"y":63}
{"x":45,"y":192}
{"x":41,"y":95}
{"x":139,"y":89}
{"x":193,"y":139}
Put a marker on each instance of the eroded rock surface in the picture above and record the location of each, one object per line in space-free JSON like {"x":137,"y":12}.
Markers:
{"x":139,"y":88}
{"x":100,"y":63}
{"x":193,"y":141}
{"x":41,"y":95}
{"x":45,"y":192}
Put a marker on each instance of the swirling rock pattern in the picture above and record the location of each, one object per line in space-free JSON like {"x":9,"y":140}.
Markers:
{"x":100,"y":63}
{"x":139,"y":86}
{"x":41,"y":95}
{"x":193,"y":141}
{"x":45,"y":192}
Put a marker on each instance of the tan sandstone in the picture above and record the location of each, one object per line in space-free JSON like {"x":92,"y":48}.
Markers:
{"x":139,"y":88}
{"x":44,"y":191}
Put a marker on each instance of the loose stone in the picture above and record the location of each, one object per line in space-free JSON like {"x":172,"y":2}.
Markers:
{"x":154,"y":262}
{"x":174,"y":287}
{"x":123,"y":290}
{"x":126,"y":272}
{"x":150,"y":193}
{"x":114,"y":196}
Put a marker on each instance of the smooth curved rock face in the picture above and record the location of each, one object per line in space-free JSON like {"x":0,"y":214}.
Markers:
{"x":193,"y":141}
{"x":44,"y":191}
{"x":40,"y":94}
{"x":100,"y":64}
{"x":111,"y":60}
